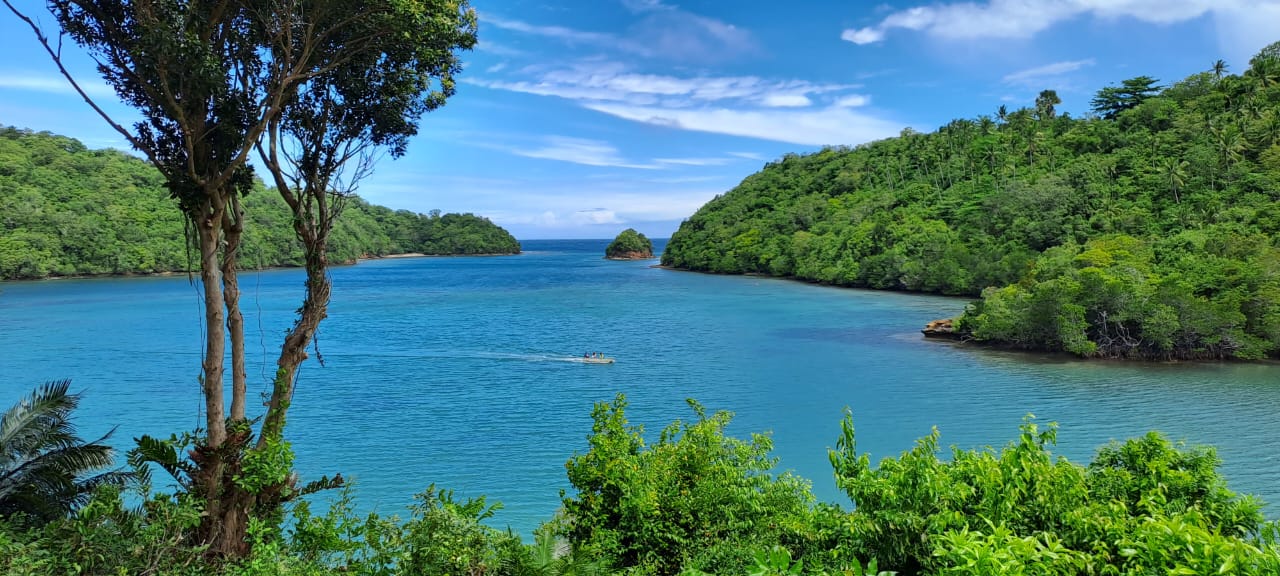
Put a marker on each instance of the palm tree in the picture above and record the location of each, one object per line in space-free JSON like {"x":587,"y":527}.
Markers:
{"x":44,"y":465}
{"x":1174,"y":172}
{"x":1219,"y":68}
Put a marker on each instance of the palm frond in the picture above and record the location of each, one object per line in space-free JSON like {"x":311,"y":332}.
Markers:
{"x":162,"y":453}
{"x":42,"y":460}
{"x":38,"y":420}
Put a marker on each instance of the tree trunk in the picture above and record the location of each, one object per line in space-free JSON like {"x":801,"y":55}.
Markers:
{"x":294,"y":350}
{"x":217,"y":458}
{"x":233,"y":228}
{"x":210,"y":235}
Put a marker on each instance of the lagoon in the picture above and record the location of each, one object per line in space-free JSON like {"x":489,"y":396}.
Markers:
{"x":459,"y":371}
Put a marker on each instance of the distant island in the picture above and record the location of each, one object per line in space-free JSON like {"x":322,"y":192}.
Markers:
{"x":66,"y":210}
{"x":1145,"y":229}
{"x":629,"y":245}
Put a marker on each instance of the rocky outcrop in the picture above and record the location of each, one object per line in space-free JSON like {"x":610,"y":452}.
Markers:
{"x":629,"y":245}
{"x":940,"y":329}
{"x":631,"y":255}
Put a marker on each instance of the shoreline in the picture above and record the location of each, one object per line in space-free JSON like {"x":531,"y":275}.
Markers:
{"x":961,"y":342}
{"x":242,"y":270}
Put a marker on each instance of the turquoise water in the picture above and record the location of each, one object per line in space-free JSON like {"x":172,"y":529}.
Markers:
{"x":461,"y":371}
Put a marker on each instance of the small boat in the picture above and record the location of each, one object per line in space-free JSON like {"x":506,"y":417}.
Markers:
{"x":597,"y":360}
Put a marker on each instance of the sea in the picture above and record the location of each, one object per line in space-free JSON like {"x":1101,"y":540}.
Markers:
{"x":466,"y":372}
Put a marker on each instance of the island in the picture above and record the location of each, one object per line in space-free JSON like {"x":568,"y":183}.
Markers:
{"x":1145,"y":229}
{"x":629,"y":245}
{"x":72,"y":211}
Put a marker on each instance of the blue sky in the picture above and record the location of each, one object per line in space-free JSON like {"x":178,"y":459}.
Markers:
{"x":579,"y":119}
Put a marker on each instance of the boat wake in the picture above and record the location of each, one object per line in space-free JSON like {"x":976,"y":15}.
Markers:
{"x":470,"y":355}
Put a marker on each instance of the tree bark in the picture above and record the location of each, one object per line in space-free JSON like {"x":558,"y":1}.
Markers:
{"x":210,"y":235}
{"x":294,"y":350}
{"x":233,"y":230}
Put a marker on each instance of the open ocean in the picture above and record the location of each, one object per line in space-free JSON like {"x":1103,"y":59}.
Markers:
{"x":462,"y":371}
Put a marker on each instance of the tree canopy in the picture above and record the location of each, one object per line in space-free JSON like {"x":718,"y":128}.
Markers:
{"x":629,"y":244}
{"x":68,"y":210}
{"x":1150,"y":232}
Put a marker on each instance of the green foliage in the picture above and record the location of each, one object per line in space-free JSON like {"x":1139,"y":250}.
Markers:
{"x":628,"y":243}
{"x":268,"y":465}
{"x":697,"y":502}
{"x":1112,"y":100}
{"x":695,"y":498}
{"x":45,"y":467}
{"x":1149,"y":232}
{"x":1144,"y":506}
{"x":66,"y":210}
{"x":106,"y":538}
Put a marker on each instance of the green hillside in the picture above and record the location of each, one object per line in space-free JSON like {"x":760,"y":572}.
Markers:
{"x":1146,"y":229}
{"x":67,"y":210}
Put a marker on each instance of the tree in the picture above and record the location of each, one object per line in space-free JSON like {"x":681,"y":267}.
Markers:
{"x":45,"y":466}
{"x":210,"y":81}
{"x":1112,"y":100}
{"x":628,"y":244}
{"x":695,"y":498}
{"x":1219,"y":68}
{"x":329,"y":135}
{"x":1045,"y":103}
{"x":1174,"y":171}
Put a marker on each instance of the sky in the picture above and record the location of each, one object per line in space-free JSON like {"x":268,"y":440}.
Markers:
{"x":578,"y":119}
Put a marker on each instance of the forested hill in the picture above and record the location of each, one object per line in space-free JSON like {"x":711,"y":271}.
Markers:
{"x":67,"y":210}
{"x":1147,"y":229}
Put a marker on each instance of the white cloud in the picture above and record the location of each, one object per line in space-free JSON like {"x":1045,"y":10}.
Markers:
{"x":830,"y":126}
{"x":54,"y":84}
{"x":562,"y":33}
{"x":786,"y":100}
{"x":1243,"y":29}
{"x":497,"y":49}
{"x":853,"y":101}
{"x":779,"y":110}
{"x":1024,"y":18}
{"x":595,"y":216}
{"x":862,"y":35}
{"x":645,"y":5}
{"x":748,"y":155}
{"x":694,"y":161}
{"x":662,"y":31}
{"x":580,"y":151}
{"x":1040,"y":74}
{"x":611,"y":82}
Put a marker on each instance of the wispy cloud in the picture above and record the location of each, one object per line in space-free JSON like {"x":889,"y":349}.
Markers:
{"x":562,"y":33}
{"x":660,"y":31}
{"x":595,"y":216}
{"x":580,"y":151}
{"x":1025,"y":18}
{"x":786,"y":100}
{"x":794,"y":111}
{"x":694,"y":161}
{"x":852,"y":101}
{"x":53,"y":84}
{"x":1040,"y":74}
{"x":498,"y":49}
{"x":814,"y":127}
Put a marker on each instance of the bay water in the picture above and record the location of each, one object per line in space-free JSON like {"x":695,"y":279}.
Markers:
{"x":465,"y":372}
